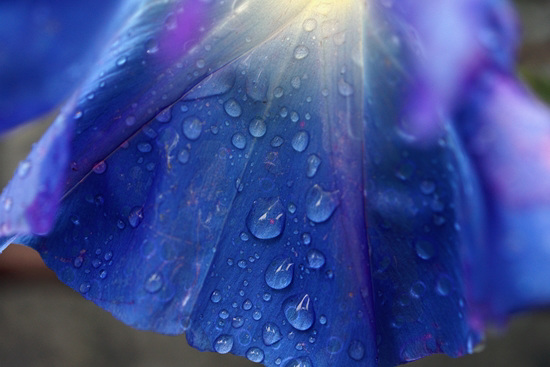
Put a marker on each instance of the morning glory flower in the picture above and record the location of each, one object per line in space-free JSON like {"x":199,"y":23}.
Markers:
{"x":304,"y":183}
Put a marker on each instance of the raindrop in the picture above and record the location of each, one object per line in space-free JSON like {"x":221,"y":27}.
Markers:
{"x":233,"y":108}
{"x":320,"y":204}
{"x":223,"y":344}
{"x":356,"y":350}
{"x":136,"y":216}
{"x":271,"y":334}
{"x":300,"y":141}
{"x":424,"y":249}
{"x":301,"y":52}
{"x":266,"y":219}
{"x":255,"y":354}
{"x":153,"y":283}
{"x":313,"y":163}
{"x":257,"y":128}
{"x":309,"y":25}
{"x":216,"y":296}
{"x":279,"y":273}
{"x":277,"y":141}
{"x":239,"y":141}
{"x":299,"y":362}
{"x":315,"y":259}
{"x":299,"y":311}
{"x":192,"y":128}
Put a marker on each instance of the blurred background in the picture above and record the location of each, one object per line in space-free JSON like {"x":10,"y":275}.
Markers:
{"x":44,"y":323}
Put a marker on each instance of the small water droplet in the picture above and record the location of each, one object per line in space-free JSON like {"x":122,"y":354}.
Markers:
{"x":418,"y":289}
{"x":257,"y":315}
{"x":344,"y":88}
{"x":8,"y":202}
{"x":183,"y":156}
{"x":309,"y":25}
{"x":223,"y":344}
{"x":237,"y":322}
{"x":266,"y":219}
{"x":301,"y":52}
{"x":427,"y":187}
{"x":300,"y":141}
{"x":277,"y":141}
{"x":100,"y":167}
{"x":24,"y":168}
{"x":78,"y":261}
{"x":296,"y":82}
{"x":306,"y":238}
{"x":136,"y":216}
{"x":279,"y":273}
{"x":356,"y":350}
{"x":84,"y":287}
{"x":121,"y":61}
{"x":271,"y":334}
{"x":292,"y":208}
{"x":255,"y":354}
{"x":233,"y":108}
{"x":238,"y":140}
{"x":443,"y":285}
{"x":200,"y":63}
{"x":130,"y":120}
{"x":313,"y":163}
{"x":257,"y":128}
{"x":192,"y":128}
{"x":299,"y":311}
{"x":299,"y":362}
{"x":320,"y":204}
{"x":247,"y":305}
{"x":424,"y":249}
{"x":108,"y":256}
{"x":315,"y":259}
{"x":323,"y":320}
{"x":278,"y":92}
{"x":151,"y":46}
{"x":224,"y":314}
{"x":216,"y":296}
{"x":153,"y":283}
{"x":102,"y":274}
{"x":267,"y":297}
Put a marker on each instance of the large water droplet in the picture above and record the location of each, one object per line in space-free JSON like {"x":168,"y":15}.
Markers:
{"x":233,"y":108}
{"x":223,"y":344}
{"x":136,"y":216}
{"x":301,"y":52}
{"x":315,"y":259}
{"x":320,"y":204}
{"x":356,"y":350}
{"x":299,"y":362}
{"x":299,"y":311}
{"x":279,"y":273}
{"x":266,"y":219}
{"x":192,"y":128}
{"x":255,"y":354}
{"x":238,"y":140}
{"x":313,"y":163}
{"x":257,"y":128}
{"x":271,"y":334}
{"x":300,"y":141}
{"x":153,"y":283}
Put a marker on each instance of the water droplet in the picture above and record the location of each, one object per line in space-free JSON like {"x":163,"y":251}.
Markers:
{"x":299,"y":311}
{"x":200,"y":63}
{"x":216,"y":296}
{"x":299,"y":362}
{"x":183,"y":156}
{"x":130,"y":120}
{"x":108,"y":256}
{"x":300,"y":141}
{"x":315,"y":259}
{"x":151,"y":46}
{"x":267,"y":297}
{"x":278,"y":92}
{"x":257,"y":315}
{"x":427,"y":187}
{"x":255,"y":354}
{"x":279,"y":273}
{"x":136,"y":216}
{"x":102,"y":274}
{"x":224,"y":314}
{"x":8,"y":202}
{"x":309,"y":25}
{"x":323,"y":320}
{"x":320,"y":204}
{"x":100,"y":167}
{"x":443,"y":285}
{"x":277,"y":141}
{"x":192,"y":128}
{"x":301,"y":52}
{"x":144,"y":147}
{"x":271,"y":334}
{"x":78,"y":261}
{"x":153,"y":283}
{"x":266,"y":219}
{"x":238,"y":140}
{"x":306,"y":238}
{"x":247,"y":305}
{"x":223,"y":344}
{"x":296,"y":82}
{"x":96,"y":263}
{"x":344,"y":88}
{"x":233,"y":108}
{"x":418,"y":289}
{"x":356,"y":350}
{"x":424,"y":249}
{"x":237,"y":322}
{"x":121,"y":61}
{"x":24,"y":168}
{"x":313,"y":163}
{"x":84,"y":287}
{"x":257,"y":128}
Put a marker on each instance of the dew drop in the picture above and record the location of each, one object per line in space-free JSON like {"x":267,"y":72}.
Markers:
{"x":153,"y":283}
{"x":216,"y":296}
{"x":299,"y":311}
{"x":299,"y":362}
{"x":255,"y":354}
{"x":266,"y":219}
{"x":292,"y":208}
{"x":356,"y":350}
{"x":192,"y":128}
{"x":144,"y":147}
{"x":279,"y":273}
{"x":257,"y":128}
{"x":313,"y":163}
{"x":271,"y":334}
{"x":223,"y":344}
{"x":301,"y":52}
{"x":300,"y":141}
{"x":224,"y":314}
{"x":233,"y":108}
{"x":238,"y":140}
{"x":320,"y":204}
{"x":108,"y":256}
{"x":278,"y":92}
{"x":136,"y":216}
{"x":315,"y":259}
{"x":257,"y":315}
{"x":323,"y":320}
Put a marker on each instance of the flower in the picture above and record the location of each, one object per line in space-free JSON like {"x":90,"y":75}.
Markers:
{"x":305,"y":183}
